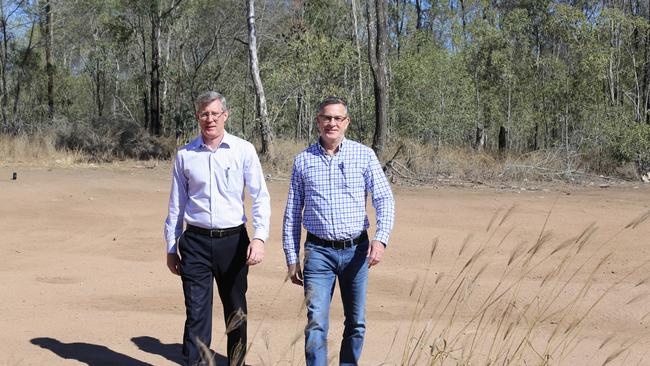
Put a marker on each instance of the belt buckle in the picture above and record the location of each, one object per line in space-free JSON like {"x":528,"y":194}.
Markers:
{"x":215,"y":233}
{"x":343,"y":244}
{"x":348,"y":243}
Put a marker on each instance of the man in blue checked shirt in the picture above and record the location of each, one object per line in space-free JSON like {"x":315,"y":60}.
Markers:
{"x":330,"y":182}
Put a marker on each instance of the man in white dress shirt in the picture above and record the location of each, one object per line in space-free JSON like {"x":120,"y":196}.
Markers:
{"x":207,"y":193}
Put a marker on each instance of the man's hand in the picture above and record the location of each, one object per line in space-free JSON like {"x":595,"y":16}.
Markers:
{"x":295,"y":273}
{"x":375,"y":252}
{"x":174,"y":263}
{"x":255,"y":252}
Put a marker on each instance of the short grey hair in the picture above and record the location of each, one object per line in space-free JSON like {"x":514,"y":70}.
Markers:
{"x":209,"y":97}
{"x":332,"y":100}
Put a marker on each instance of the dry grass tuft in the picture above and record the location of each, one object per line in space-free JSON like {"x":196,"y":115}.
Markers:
{"x":413,"y":162}
{"x":206,"y":354}
{"x":506,"y":324}
{"x":39,"y":149}
{"x":639,"y":220}
{"x":614,"y":356}
{"x":637,"y":299}
{"x":607,"y":340}
{"x":235,"y":320}
{"x":468,"y":238}
{"x":239,"y":352}
{"x":643,"y":282}
{"x":406,"y":161}
{"x":281,"y":163}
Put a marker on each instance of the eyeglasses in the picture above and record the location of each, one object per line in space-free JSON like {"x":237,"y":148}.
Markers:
{"x":334,"y":119}
{"x":206,"y":115}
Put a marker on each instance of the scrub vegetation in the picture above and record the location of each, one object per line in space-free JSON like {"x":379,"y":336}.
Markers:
{"x":532,"y":89}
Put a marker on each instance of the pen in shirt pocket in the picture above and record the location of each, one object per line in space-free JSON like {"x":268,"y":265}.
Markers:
{"x":342,"y":167}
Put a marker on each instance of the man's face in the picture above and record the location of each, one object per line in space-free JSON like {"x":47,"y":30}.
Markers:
{"x":332,"y":122}
{"x":212,"y":119}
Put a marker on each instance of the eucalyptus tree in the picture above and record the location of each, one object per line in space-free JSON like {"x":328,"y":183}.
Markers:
{"x":48,"y":35}
{"x":262,"y":112}
{"x":312,"y":55}
{"x":378,"y":56}
{"x":8,"y":10}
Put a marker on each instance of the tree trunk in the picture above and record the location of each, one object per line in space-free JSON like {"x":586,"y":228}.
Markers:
{"x":420,"y":14}
{"x":3,"y":71}
{"x":298,"y":132}
{"x":481,"y":138}
{"x":165,"y":91}
{"x":115,"y":90}
{"x":145,"y":75}
{"x":646,"y":74}
{"x":243,"y":113}
{"x":399,"y":25}
{"x":503,"y":131}
{"x":615,"y":64}
{"x":178,"y":114}
{"x":463,"y":12}
{"x":360,"y":123}
{"x":539,"y":105}
{"x":16,"y":127}
{"x":503,"y":139}
{"x":99,"y":82}
{"x":154,"y":92}
{"x":49,"y":67}
{"x":262,"y":114}
{"x":378,"y":56}
{"x":567,"y":157}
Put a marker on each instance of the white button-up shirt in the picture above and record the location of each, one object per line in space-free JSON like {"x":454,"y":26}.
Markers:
{"x":208,"y":188}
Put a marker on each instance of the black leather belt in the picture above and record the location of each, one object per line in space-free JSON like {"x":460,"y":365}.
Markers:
{"x":337,"y":244}
{"x":215,"y":233}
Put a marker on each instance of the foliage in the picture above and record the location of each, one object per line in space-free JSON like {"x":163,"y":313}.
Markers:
{"x":539,"y":75}
{"x":632,"y":143}
{"x":438,"y":109}
{"x":104,"y":139}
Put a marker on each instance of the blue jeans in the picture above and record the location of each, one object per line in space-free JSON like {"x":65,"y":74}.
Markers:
{"x":321,"y":268}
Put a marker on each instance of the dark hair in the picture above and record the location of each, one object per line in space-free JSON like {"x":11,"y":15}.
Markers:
{"x":209,"y":97}
{"x":332,"y":100}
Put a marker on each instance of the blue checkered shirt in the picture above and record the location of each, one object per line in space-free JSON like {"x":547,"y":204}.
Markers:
{"x":328,"y":196}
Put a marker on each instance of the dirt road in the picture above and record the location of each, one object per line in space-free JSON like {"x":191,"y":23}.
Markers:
{"x":83,"y":279}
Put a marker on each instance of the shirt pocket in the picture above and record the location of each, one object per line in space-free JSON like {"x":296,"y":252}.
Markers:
{"x":230,"y":176}
{"x":353,"y":181}
{"x":234,"y":179}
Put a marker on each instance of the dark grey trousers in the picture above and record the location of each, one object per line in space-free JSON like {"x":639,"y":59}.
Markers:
{"x":224,"y":260}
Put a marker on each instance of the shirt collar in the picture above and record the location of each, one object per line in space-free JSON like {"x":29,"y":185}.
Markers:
{"x":226,"y":141}
{"x":322,"y":149}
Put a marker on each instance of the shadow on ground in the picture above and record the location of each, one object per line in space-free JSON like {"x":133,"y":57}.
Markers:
{"x":97,"y":355}
{"x":171,"y":351}
{"x":90,"y":354}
